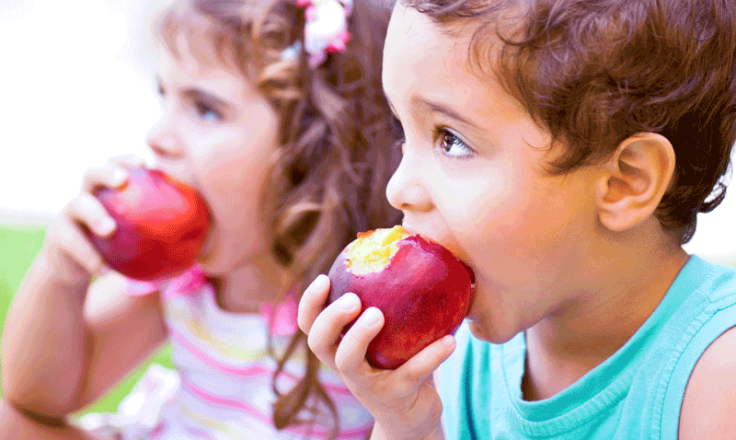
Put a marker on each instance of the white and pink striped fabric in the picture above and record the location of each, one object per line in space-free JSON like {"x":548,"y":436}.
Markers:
{"x":222,"y":388}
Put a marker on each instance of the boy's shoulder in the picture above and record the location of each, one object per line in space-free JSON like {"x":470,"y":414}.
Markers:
{"x":709,"y":399}
{"x":710,"y":396}
{"x":716,"y":282}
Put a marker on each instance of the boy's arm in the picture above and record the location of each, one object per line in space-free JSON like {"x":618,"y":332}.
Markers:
{"x":57,"y":358}
{"x":710,"y":397}
{"x":379,"y":435}
{"x":439,"y":433}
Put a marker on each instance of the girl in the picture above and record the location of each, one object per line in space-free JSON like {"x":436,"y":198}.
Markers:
{"x":562,"y":149}
{"x":273,"y":111}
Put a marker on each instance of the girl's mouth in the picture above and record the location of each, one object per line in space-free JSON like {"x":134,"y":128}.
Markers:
{"x":208,"y":247}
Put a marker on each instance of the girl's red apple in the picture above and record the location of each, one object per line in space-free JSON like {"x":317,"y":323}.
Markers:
{"x":423,"y":290}
{"x":161,"y":226}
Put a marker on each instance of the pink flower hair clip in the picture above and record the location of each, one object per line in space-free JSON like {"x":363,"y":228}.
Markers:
{"x":326,"y":29}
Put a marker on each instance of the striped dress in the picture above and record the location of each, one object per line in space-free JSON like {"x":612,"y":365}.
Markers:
{"x":222,"y":387}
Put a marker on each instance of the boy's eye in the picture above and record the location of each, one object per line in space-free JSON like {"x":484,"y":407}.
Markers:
{"x":450,"y":145}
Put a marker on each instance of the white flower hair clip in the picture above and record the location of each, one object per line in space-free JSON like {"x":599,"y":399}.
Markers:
{"x":326,"y":29}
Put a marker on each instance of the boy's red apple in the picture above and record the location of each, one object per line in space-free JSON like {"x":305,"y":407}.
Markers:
{"x":161,"y":225}
{"x":423,"y":290}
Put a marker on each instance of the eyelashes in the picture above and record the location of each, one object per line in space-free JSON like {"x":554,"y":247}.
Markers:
{"x":202,"y":109}
{"x":452,"y":146}
{"x":206,"y":112}
{"x":160,"y":91}
{"x":397,"y":131}
{"x":447,"y":142}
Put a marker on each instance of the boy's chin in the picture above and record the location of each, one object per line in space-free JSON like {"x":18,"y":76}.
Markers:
{"x":487,"y":333}
{"x":476,"y":330}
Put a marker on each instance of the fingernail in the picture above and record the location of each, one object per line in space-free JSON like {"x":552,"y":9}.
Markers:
{"x":106,"y":226}
{"x":321,"y":281}
{"x":349,"y":301}
{"x":448,"y":340}
{"x":371,"y":317}
{"x":119,"y":177}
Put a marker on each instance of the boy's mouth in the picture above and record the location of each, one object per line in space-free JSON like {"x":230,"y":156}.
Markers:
{"x":410,"y":229}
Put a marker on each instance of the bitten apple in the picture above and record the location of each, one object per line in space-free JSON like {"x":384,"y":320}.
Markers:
{"x":161,"y":225}
{"x":423,"y":290}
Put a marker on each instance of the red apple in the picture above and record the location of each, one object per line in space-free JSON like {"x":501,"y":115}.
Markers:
{"x":423,"y":290}
{"x":161,"y":226}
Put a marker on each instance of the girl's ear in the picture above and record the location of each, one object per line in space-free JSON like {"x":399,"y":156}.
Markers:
{"x":635,"y":180}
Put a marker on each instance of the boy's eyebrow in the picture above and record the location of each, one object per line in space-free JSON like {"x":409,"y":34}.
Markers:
{"x":427,"y":105}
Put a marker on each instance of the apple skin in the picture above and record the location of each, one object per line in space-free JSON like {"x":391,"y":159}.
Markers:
{"x":162,"y":225}
{"x":424,"y":293}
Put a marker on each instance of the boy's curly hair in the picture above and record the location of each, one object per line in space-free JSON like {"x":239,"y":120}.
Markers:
{"x":337,"y":147}
{"x":595,"y":72}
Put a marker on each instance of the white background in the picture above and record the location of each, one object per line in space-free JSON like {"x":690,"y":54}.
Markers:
{"x":76,"y":86}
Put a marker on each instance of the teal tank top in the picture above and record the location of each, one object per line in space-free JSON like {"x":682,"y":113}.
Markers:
{"x":634,"y":394}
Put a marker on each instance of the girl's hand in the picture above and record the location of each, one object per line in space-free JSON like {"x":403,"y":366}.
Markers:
{"x":404,"y":401}
{"x":70,"y":256}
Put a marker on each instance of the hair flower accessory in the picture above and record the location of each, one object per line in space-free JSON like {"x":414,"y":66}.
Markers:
{"x":326,"y":29}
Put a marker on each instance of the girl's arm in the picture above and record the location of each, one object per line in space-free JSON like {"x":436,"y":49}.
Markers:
{"x":59,"y":357}
{"x":55,"y":357}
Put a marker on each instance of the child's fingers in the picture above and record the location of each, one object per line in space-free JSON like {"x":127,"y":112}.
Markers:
{"x":312,"y":302}
{"x":421,"y":365}
{"x":74,"y":243}
{"x":108,"y":176}
{"x":350,"y":354}
{"x":325,"y":332}
{"x":88,"y":211}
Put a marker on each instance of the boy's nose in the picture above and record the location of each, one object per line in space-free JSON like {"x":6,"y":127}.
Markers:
{"x":162,"y":140}
{"x":406,"y":190}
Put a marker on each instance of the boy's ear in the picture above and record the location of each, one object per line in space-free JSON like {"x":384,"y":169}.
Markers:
{"x":635,"y":180}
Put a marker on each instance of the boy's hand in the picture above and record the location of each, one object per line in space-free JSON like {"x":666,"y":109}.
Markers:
{"x":67,"y":251}
{"x":404,"y":401}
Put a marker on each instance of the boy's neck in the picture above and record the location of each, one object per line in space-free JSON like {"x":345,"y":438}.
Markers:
{"x":580,"y":336}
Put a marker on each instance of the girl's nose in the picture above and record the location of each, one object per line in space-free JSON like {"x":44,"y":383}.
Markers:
{"x":406,"y":190}
{"x":162,"y":138}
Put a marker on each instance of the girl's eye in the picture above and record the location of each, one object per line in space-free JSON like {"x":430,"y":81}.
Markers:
{"x":207,"y":113}
{"x":450,"y":145}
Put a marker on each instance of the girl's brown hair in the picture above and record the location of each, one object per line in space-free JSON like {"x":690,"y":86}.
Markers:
{"x":595,"y":72}
{"x":336,"y":140}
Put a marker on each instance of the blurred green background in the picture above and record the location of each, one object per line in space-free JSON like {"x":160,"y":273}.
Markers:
{"x":19,"y":244}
